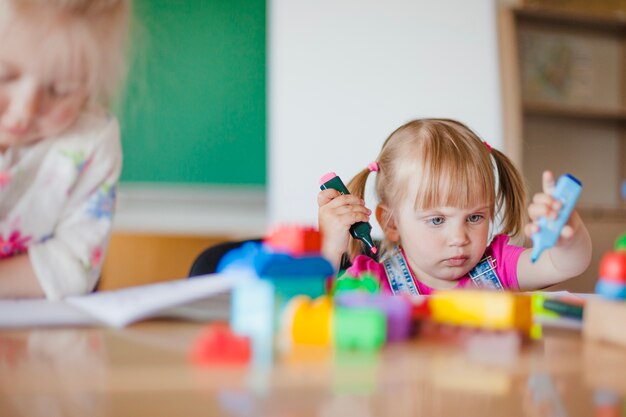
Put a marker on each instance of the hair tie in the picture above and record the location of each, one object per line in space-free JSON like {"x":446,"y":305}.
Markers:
{"x":373,"y":166}
{"x":488,"y":146}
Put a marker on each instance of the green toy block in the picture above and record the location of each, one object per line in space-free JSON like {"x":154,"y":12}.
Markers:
{"x":620,"y":242}
{"x":365,"y":282}
{"x":359,"y":328}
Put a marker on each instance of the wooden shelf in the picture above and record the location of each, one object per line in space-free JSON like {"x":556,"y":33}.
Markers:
{"x":602,"y":213}
{"x":574,"y":112}
{"x":611,"y":22}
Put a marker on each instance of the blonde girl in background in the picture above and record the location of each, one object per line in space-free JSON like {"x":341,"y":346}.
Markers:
{"x":60,"y":153}
{"x":439,"y":187}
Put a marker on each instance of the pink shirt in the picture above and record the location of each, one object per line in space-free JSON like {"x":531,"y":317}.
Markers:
{"x":505,"y":255}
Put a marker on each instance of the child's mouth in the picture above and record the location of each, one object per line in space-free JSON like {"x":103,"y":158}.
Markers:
{"x":456,"y":261}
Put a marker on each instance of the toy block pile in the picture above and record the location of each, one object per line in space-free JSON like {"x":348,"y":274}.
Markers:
{"x":605,"y":315}
{"x":285,"y":300}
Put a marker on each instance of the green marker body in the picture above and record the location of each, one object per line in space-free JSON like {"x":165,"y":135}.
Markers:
{"x":359,"y":230}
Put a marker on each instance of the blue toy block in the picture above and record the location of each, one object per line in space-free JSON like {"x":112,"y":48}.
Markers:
{"x":277,"y":264}
{"x":612,"y":290}
{"x":252,"y":308}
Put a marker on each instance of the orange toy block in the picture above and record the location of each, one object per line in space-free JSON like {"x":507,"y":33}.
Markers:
{"x":604,"y":320}
{"x":295,"y":240}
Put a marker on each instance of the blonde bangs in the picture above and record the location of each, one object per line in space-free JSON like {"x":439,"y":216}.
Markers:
{"x":448,"y":183}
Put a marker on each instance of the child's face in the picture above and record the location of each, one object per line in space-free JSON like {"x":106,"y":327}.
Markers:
{"x":444,"y":243}
{"x":37,"y":98}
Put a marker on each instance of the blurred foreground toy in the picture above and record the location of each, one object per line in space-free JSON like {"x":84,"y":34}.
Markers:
{"x":217,"y":345}
{"x":605,"y":315}
{"x":488,"y":310}
{"x":612,"y":281}
{"x":397,"y":311}
{"x":275,"y":275}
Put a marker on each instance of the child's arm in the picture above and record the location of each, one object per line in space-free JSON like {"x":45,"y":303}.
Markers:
{"x":337,"y":212}
{"x":18,"y":279}
{"x":568,"y":258}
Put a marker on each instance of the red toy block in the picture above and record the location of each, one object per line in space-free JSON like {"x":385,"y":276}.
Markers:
{"x":295,"y":240}
{"x":613,"y":267}
{"x":217,"y":344}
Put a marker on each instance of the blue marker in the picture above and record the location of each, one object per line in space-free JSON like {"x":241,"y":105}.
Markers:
{"x":567,"y":191}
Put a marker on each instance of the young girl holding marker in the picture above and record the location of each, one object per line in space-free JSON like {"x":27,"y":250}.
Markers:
{"x":439,"y":188}
{"x":60,"y":154}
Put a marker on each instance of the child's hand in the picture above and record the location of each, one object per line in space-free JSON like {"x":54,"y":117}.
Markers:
{"x":544,"y":205}
{"x":337,"y":212}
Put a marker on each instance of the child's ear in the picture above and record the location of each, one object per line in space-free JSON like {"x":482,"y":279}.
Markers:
{"x":387,"y":223}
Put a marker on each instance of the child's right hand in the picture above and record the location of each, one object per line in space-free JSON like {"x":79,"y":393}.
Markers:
{"x":337,"y":212}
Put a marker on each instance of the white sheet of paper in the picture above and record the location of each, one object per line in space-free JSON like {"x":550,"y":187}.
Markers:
{"x":121,"y":307}
{"x":29,"y":313}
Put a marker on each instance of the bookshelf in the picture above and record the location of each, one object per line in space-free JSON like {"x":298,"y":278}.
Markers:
{"x":564,"y":97}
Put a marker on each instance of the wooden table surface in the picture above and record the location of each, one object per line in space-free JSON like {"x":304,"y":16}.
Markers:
{"x":145,"y":370}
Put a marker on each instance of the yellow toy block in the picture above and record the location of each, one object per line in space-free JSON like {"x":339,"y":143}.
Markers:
{"x":310,"y":320}
{"x":488,"y":310}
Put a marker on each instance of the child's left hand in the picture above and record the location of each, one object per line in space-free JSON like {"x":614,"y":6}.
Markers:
{"x":544,"y":205}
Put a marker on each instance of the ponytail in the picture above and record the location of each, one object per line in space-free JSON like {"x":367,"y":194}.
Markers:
{"x":511,"y":195}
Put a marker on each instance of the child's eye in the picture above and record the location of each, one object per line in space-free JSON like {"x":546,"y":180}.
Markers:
{"x":436,"y":221}
{"x":475,"y":218}
{"x":6,"y":75}
{"x":60,"y":90}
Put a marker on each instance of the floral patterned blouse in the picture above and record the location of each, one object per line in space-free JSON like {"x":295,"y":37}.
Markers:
{"x":56,"y":203}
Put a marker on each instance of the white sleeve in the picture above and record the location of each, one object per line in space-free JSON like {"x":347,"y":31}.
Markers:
{"x":70,"y":261}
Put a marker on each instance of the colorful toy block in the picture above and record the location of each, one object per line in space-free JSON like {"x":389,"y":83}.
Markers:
{"x":218,"y":345}
{"x":613,"y":266}
{"x":365,"y":282}
{"x":253,"y":308}
{"x":294,"y":240}
{"x":612,"y":271}
{"x":397,"y":310}
{"x":308,"y":322}
{"x":359,"y":328}
{"x":604,"y":320}
{"x":488,"y":310}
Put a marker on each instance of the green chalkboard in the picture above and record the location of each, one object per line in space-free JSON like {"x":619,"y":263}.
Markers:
{"x":193,"y":110}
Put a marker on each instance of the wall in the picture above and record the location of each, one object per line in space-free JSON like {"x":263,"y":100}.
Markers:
{"x":344,"y":74}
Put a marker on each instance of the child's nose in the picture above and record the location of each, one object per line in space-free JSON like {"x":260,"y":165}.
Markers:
{"x":21,"y":108}
{"x":458,"y":236}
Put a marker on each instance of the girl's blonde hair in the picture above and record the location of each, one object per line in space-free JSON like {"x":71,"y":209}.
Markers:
{"x":441,"y":162}
{"x":87,"y":35}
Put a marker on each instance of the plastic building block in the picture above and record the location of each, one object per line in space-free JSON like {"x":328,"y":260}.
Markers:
{"x":397,"y":310}
{"x":611,"y":290}
{"x":276,"y":265}
{"x":294,"y":240}
{"x":604,"y":321}
{"x":620,"y":242}
{"x":242,"y":257}
{"x":364,"y":282}
{"x":359,"y":328}
{"x":482,"y":309}
{"x":308,"y":321}
{"x":613,"y":267}
{"x":218,"y":345}
{"x":252,"y":308}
